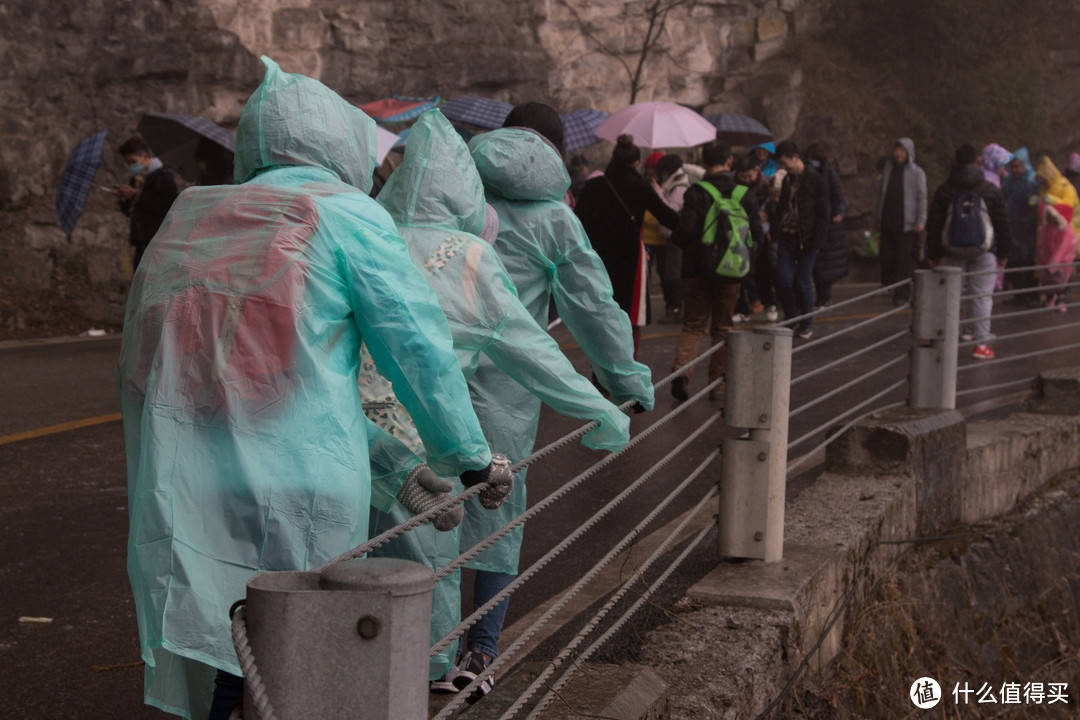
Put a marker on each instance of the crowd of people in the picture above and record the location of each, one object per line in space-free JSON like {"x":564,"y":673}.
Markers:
{"x":307,"y":362}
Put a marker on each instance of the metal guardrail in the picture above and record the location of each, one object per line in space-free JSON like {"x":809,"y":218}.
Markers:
{"x":931,"y":345}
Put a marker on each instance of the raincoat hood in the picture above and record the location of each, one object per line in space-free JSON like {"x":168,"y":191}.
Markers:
{"x":437,"y":184}
{"x":909,"y":145}
{"x":276,"y":129}
{"x":770,"y":146}
{"x":1023,"y":156}
{"x":994,"y":157}
{"x":1058,"y":184}
{"x":519,"y":164}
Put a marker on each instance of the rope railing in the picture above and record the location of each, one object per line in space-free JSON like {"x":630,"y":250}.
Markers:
{"x":626,"y":541}
{"x":888,"y":339}
{"x":644,"y":597}
{"x":844,"y":303}
{"x":1025,"y":333}
{"x":896,"y":385}
{"x":557,"y":494}
{"x":851,"y":328}
{"x":989,"y":388}
{"x":1014,"y":358}
{"x":994,"y":317}
{"x":806,"y":457}
{"x":1009,"y":270}
{"x":846,"y":386}
{"x":578,"y":532}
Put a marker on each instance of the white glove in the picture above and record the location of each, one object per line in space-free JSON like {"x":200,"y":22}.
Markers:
{"x":423,"y":490}
{"x":497,"y":476}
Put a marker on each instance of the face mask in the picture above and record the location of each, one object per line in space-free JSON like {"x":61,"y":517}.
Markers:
{"x":136,"y":169}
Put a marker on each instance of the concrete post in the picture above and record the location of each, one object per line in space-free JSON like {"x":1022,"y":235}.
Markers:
{"x":349,"y":642}
{"x":753,"y":472}
{"x":935,"y":327}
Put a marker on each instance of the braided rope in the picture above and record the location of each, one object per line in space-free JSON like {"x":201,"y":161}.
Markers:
{"x":617,"y":625}
{"x":557,"y":494}
{"x":253,"y":681}
{"x":627,"y":540}
{"x":582,"y":529}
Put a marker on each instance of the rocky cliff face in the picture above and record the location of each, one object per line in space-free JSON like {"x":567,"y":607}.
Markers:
{"x":73,"y":68}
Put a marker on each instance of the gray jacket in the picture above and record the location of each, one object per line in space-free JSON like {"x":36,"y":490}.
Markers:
{"x":914,"y":189}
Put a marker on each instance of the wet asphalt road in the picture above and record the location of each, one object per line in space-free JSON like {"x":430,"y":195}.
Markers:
{"x":64,"y":508}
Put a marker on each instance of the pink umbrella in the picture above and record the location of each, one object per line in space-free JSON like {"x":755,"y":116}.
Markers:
{"x":658,"y":125}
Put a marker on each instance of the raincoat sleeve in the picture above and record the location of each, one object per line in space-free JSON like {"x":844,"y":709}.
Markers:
{"x":583,"y":295}
{"x":391,"y":462}
{"x":524,"y":351}
{"x":406,"y":333}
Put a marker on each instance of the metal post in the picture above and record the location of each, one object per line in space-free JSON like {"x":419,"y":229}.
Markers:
{"x":935,"y":327}
{"x":753,"y":471}
{"x":349,"y":642}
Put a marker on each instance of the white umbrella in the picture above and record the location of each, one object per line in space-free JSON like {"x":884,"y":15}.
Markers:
{"x":658,"y":125}
{"x":384,"y":141}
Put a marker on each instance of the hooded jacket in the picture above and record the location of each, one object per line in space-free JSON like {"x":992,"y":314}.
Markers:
{"x":915,"y":192}
{"x":547,"y":254}
{"x":963,"y":178}
{"x":1021,"y":205}
{"x":437,"y":200}
{"x":247,"y":448}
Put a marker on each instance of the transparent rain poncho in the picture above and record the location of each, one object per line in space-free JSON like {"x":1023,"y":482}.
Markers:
{"x":547,"y":254}
{"x":437,"y":200}
{"x":247,"y":447}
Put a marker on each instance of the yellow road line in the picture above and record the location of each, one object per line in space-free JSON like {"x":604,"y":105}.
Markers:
{"x":62,"y":427}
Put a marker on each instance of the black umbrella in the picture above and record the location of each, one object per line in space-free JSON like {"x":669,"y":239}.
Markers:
{"x":736,"y":129}
{"x":183,"y":140}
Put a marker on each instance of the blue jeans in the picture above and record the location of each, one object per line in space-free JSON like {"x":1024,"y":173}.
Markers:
{"x":484,"y":635}
{"x":795,"y":281}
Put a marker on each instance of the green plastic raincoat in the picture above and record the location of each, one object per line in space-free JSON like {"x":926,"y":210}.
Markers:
{"x":247,"y":447}
{"x":547,"y":253}
{"x":437,"y":200}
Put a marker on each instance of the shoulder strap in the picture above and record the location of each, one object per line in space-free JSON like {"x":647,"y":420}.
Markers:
{"x":618,"y":197}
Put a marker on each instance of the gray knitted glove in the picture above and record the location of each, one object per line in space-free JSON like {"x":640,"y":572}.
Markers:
{"x":423,"y":490}
{"x":497,"y":477}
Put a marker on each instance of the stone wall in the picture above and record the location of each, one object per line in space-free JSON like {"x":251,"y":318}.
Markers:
{"x":71,"y":69}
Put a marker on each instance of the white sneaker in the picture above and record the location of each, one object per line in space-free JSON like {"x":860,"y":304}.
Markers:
{"x":966,"y":336}
{"x":445,"y":684}
{"x":740,"y":318}
{"x":772,"y":314}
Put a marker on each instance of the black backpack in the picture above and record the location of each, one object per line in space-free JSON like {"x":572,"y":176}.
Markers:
{"x":968,"y":232}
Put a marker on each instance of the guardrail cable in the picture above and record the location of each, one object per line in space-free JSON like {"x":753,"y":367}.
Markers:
{"x":1041,"y":310}
{"x":851,"y":328}
{"x":999,"y":386}
{"x":796,"y":464}
{"x":906,"y":332}
{"x":1014,"y":358}
{"x":560,"y":492}
{"x":851,"y":383}
{"x":850,"y":301}
{"x":583,"y":528}
{"x":617,"y":625}
{"x":627,"y":540}
{"x":855,"y":408}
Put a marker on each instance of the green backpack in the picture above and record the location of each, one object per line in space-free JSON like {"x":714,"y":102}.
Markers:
{"x":727,"y":226}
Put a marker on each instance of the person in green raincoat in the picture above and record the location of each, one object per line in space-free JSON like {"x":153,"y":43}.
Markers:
{"x":547,"y":254}
{"x":437,"y":200}
{"x":247,"y":447}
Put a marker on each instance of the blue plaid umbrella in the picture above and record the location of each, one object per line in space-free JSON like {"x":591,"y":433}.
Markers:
{"x":175,"y":139}
{"x":737,"y":129}
{"x":478,"y":111}
{"x":579,"y":128}
{"x":82,"y":164}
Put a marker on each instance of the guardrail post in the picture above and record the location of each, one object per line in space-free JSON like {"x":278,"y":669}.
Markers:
{"x":351,"y":641}
{"x":753,"y":471}
{"x":935,"y":327}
